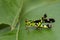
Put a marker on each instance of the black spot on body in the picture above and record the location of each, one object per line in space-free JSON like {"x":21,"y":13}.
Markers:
{"x":51,"y":20}
{"x":36,"y":21}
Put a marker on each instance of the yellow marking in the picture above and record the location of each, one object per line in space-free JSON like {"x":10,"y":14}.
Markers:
{"x":41,"y":20}
{"x":27,"y":23}
{"x":45,"y":26}
{"x":39,"y":23}
{"x":32,"y":24}
{"x":41,"y":26}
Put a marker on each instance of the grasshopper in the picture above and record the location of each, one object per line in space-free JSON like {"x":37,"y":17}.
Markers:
{"x":39,"y":23}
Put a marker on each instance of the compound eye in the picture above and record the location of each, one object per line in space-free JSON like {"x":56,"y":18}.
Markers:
{"x":26,"y":20}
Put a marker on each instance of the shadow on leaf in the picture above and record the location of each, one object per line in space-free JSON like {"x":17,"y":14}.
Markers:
{"x":2,"y":26}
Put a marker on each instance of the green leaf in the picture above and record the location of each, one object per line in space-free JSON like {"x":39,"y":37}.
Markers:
{"x":9,"y":17}
{"x":9,"y":11}
{"x":35,"y":9}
